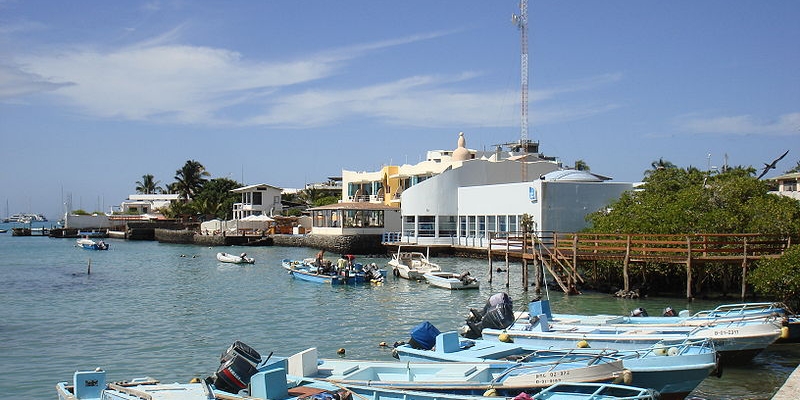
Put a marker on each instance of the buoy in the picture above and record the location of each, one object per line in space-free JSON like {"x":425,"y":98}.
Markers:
{"x":340,"y":351}
{"x":625,"y":377}
{"x":583,"y":344}
{"x":673,"y":351}
{"x":784,"y":332}
{"x":195,"y":380}
{"x":660,"y":350}
{"x":490,"y":393}
{"x":382,"y":344}
{"x":505,"y":338}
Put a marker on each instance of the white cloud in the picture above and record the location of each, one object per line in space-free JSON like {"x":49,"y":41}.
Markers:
{"x":784,"y":125}
{"x":158,"y":81}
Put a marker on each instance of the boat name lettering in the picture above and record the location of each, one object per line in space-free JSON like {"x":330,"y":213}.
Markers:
{"x":552,"y":374}
{"x":90,"y":382}
{"x":726,"y":332}
{"x":547,"y":381}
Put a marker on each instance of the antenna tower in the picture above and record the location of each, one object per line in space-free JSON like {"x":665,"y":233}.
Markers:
{"x":521,"y":21}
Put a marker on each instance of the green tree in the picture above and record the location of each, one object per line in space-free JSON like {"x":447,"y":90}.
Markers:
{"x":659,"y":165}
{"x":148,"y":185}
{"x":679,"y":201}
{"x":581,"y":165}
{"x":796,"y":168}
{"x":779,"y":278}
{"x":190,"y":179}
{"x":215,"y":199}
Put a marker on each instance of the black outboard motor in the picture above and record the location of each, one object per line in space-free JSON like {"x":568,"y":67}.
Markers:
{"x":423,"y":336}
{"x":497,"y":313}
{"x":237,"y":365}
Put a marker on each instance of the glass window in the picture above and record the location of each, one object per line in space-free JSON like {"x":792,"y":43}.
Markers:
{"x":257,"y":198}
{"x":512,"y":223}
{"x":481,"y":232}
{"x":409,"y":226}
{"x":447,"y":225}
{"x":427,"y":225}
{"x":501,"y":223}
{"x":491,"y":223}
{"x":471,"y":226}
{"x":463,"y":222}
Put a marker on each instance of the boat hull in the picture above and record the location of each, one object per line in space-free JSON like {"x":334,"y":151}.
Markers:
{"x":450,"y":281}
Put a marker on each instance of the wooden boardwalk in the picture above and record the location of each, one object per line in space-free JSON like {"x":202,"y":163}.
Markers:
{"x":561,"y":253}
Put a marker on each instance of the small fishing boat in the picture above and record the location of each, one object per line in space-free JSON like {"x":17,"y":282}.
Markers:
{"x":595,"y":391}
{"x":412,"y":265}
{"x":451,"y":280}
{"x":736,"y":341}
{"x":672,"y":369}
{"x":234,"y":259}
{"x":90,"y":244}
{"x":307,"y":270}
{"x":503,"y":378}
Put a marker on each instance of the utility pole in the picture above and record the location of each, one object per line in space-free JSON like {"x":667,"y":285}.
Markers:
{"x":521,"y":21}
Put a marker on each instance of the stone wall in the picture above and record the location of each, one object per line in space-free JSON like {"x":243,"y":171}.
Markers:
{"x":350,"y":244}
{"x":174,"y":236}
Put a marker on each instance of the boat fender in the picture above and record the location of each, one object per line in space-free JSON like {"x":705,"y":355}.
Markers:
{"x":718,"y":369}
{"x":396,"y":273}
{"x":583,"y":344}
{"x":491,"y":392}
{"x":395,"y":354}
{"x":194,"y":380}
{"x":673,"y":351}
{"x":785,"y":332}
{"x":341,"y":351}
{"x":659,"y":350}
{"x":625,"y":377}
{"x":505,"y":338}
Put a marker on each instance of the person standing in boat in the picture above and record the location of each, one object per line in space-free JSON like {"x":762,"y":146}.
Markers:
{"x":319,"y":259}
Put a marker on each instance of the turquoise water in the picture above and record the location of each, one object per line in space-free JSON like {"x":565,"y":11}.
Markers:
{"x":147,"y":311}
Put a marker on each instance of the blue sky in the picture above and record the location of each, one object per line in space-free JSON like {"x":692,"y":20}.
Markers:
{"x":95,"y":94}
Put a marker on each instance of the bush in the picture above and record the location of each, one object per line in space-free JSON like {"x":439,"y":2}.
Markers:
{"x":779,"y":278}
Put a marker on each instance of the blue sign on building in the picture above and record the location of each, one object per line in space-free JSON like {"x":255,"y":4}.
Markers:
{"x":532,"y":194}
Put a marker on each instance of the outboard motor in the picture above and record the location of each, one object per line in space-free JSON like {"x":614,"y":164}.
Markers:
{"x":639,"y":312}
{"x":498,"y":313}
{"x":237,"y":365}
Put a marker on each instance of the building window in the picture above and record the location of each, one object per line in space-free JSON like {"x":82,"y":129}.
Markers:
{"x":373,"y":219}
{"x":257,"y":198}
{"x":409,"y":226}
{"x":512,"y":223}
{"x":491,"y":226}
{"x":501,"y":223}
{"x":427,"y":226}
{"x":447,"y":226}
{"x":463,"y":222}
{"x":471,"y":226}
{"x":481,"y":226}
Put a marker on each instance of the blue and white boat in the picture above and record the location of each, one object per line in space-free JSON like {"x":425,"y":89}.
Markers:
{"x":306,"y":270}
{"x":502,"y":378}
{"x":270,"y":384}
{"x":595,"y":391}
{"x":671,"y":369}
{"x":90,"y":244}
{"x":736,"y":341}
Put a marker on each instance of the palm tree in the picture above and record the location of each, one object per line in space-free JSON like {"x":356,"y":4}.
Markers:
{"x":148,"y":185}
{"x":189,"y":179}
{"x":581,"y":165}
{"x":658,"y":165}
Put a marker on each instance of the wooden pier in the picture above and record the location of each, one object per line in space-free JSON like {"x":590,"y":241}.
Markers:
{"x":561,"y":253}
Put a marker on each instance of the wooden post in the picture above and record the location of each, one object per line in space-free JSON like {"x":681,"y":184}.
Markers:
{"x":688,"y":268}
{"x":489,"y":252}
{"x":744,"y":270}
{"x":625,"y":279}
{"x":89,"y":268}
{"x":524,"y":273}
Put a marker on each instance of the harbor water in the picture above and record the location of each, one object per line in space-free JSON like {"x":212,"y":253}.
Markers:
{"x":167,"y":311}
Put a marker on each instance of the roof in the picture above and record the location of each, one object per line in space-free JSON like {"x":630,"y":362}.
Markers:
{"x":570,"y":175}
{"x":260,"y":186}
{"x":355,"y":206}
{"x":793,"y":175}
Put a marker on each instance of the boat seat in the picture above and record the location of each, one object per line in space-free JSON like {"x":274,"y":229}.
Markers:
{"x":89,"y":384}
{"x":304,"y":363}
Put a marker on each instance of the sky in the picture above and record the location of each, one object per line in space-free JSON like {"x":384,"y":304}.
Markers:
{"x":96,"y":94}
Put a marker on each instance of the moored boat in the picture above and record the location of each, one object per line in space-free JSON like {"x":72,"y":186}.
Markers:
{"x":90,"y":244}
{"x":451,"y":280}
{"x":736,"y":341}
{"x":503,"y":378}
{"x":307,"y":270}
{"x":234,"y":259}
{"x":671,"y":369}
{"x":595,"y":391}
{"x":412,"y":265}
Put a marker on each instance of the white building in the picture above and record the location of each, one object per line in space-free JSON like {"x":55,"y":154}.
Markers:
{"x":147,"y":203}
{"x":464,"y":203}
{"x":788,"y":185}
{"x":359,"y":218}
{"x":260,"y":199}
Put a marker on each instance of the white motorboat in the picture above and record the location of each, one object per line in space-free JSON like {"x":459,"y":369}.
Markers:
{"x":234,"y":259}
{"x":451,"y":280}
{"x":411,"y":265}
